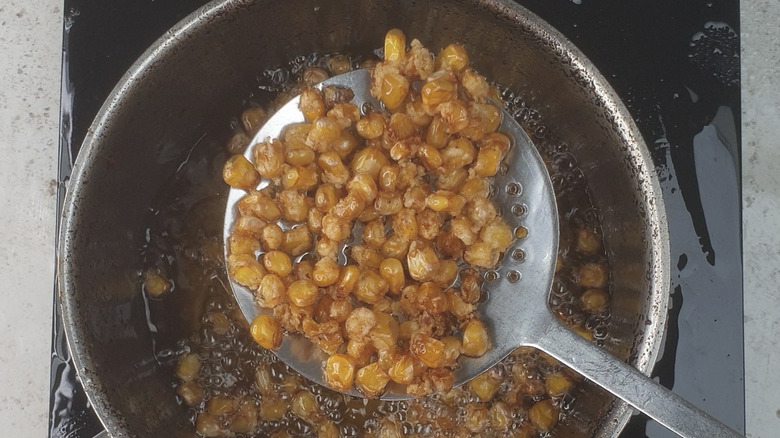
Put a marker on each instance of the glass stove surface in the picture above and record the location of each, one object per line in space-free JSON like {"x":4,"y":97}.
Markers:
{"x":676,"y":67}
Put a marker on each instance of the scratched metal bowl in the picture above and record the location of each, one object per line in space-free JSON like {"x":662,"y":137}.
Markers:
{"x":202,"y":69}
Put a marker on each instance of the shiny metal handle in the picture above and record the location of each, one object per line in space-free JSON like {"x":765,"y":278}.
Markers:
{"x":630,"y":385}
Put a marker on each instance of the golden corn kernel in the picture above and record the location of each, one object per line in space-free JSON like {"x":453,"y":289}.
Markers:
{"x":277,"y":262}
{"x":393,"y":272}
{"x":335,"y":228}
{"x":294,"y":138}
{"x":340,"y":372}
{"x":422,"y":261}
{"x":359,"y":323}
{"x":191,"y":393}
{"x":302,"y":293}
{"x":371,"y":126}
{"x":266,"y":331}
{"x":273,"y":408}
{"x":345,"y":144}
{"x":346,"y":114}
{"x":475,"y":84}
{"x":417,"y":110}
{"x":543,"y":415}
{"x":303,"y":270}
{"x":394,"y":89}
{"x":241,"y":243}
{"x":363,"y":186}
{"x":374,"y":234}
{"x":497,"y":234}
{"x":156,"y":285}
{"x":459,"y":307}
{"x":501,"y":418}
{"x":349,"y":207}
{"x":440,"y":89}
{"x":488,"y":160}
{"x":272,"y":237}
{"x":448,"y":270}
{"x":324,"y":134}
{"x":593,"y":275}
{"x":395,"y":45}
{"x":311,"y":104}
{"x":496,"y":140}
{"x":395,"y":247}
{"x":305,"y":406}
{"x":449,"y":245}
{"x":268,"y":158}
{"x":594,"y":300}
{"x":587,"y":241}
{"x":384,"y":335}
{"x":475,"y":188}
{"x":475,"y":339}
{"x":348,"y":278}
{"x":208,"y":425}
{"x":407,"y":328}
{"x":339,"y":64}
{"x":314,"y":220}
{"x":271,"y":291}
{"x":294,"y":206}
{"x":237,"y":143}
{"x":388,"y":203}
{"x":368,"y":160}
{"x":557,"y":384}
{"x":480,"y":212}
{"x":484,"y":118}
{"x":401,"y":125}
{"x":326,"y":197}
{"x":326,"y":272}
{"x":296,"y":241}
{"x":260,"y":205}
{"x":402,"y":370}
{"x":238,"y":172}
{"x":431,"y":299}
{"x":366,"y":256}
{"x":371,"y":380}
{"x":453,"y":57}
{"x":314,"y":75}
{"x":188,"y":367}
{"x":454,"y":115}
{"x":430,"y":157}
{"x":360,"y":351}
{"x":243,"y":268}
{"x":451,"y":350}
{"x":429,"y":224}
{"x":334,"y":170}
{"x":482,"y":255}
{"x":458,"y":153}
{"x":429,"y":350}
{"x":219,"y":405}
{"x":437,"y":202}
{"x":437,"y":135}
{"x":484,"y":386}
{"x":369,"y":214}
{"x":371,"y":287}
{"x":328,"y":429}
{"x":250,"y":224}
{"x":253,"y":118}
{"x":476,"y":417}
{"x":388,"y":177}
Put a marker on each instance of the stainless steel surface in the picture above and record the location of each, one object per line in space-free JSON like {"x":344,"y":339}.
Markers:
{"x":199,"y":71}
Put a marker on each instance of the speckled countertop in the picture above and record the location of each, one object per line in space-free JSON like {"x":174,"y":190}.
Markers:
{"x":30,"y":49}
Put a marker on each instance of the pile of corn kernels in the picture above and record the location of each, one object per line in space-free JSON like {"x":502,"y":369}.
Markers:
{"x":414,"y":182}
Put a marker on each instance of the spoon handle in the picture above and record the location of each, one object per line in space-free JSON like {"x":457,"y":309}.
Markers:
{"x":628,"y":384}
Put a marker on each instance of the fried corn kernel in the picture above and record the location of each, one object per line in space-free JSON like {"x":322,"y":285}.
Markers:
{"x":296,"y":241}
{"x":371,"y":380}
{"x":371,"y":126}
{"x":359,"y":323}
{"x":340,"y":372}
{"x":278,"y":263}
{"x":451,"y":350}
{"x":219,"y":405}
{"x":488,"y":160}
{"x":475,"y":339}
{"x":191,"y":393}
{"x":392,"y":271}
{"x":402,"y":370}
{"x":294,"y":205}
{"x":430,"y":298}
{"x":266,"y":331}
{"x":237,"y":143}
{"x":250,"y":225}
{"x":587,"y":241}
{"x":374,"y":234}
{"x":253,"y":118}
{"x":454,"y":115}
{"x":394,"y":90}
{"x":239,"y":172}
{"x":480,"y":212}
{"x":305,"y":406}
{"x":271,"y":292}
{"x":208,"y":425}
{"x":543,"y":415}
{"x":481,"y":255}
{"x":326,"y":272}
{"x":347,"y":280}
{"x":273,"y":408}
{"x":453,"y":57}
{"x":395,"y":247}
{"x":364,"y":186}
{"x":448,"y":270}
{"x":384,"y":335}
{"x":339,"y":64}
{"x":368,"y":160}
{"x":497,"y":234}
{"x":429,"y":350}
{"x":459,"y":152}
{"x":388,"y":203}
{"x":360,"y":351}
{"x":303,"y":270}
{"x":558,"y":384}
{"x":475,"y":85}
{"x":333,"y":169}
{"x":395,"y":45}
{"x":271,"y":237}
{"x":419,"y":62}
{"x":371,"y":287}
{"x":302,"y":293}
{"x":260,"y":205}
{"x":188,"y":367}
{"x":593,"y":275}
{"x":156,"y":285}
{"x":238,"y":244}
{"x":422,"y":261}
{"x":439,"y":90}
{"x":311,"y":104}
{"x":594,"y":300}
{"x":314,"y":75}
{"x":437,"y":135}
{"x":484,"y":386}
{"x":268,"y":158}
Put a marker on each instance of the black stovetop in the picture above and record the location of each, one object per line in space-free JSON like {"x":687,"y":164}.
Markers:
{"x":676,"y":66}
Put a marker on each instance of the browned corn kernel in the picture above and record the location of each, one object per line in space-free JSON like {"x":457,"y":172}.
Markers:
{"x":480,"y":212}
{"x":253,"y":118}
{"x":328,"y":429}
{"x":475,"y":339}
{"x":305,"y":406}
{"x":415,"y":197}
{"x":326,"y":197}
{"x":250,"y":224}
{"x":303,"y":270}
{"x":314,"y":75}
{"x":347,"y":280}
{"x":340,"y":372}
{"x":587,"y":241}
{"x":384,"y":335}
{"x":363,"y":186}
{"x":371,"y":380}
{"x":484,"y":386}
{"x":418,"y":112}
{"x":593,"y":275}
{"x":371,"y":287}
{"x":191,"y":393}
{"x":334,"y":170}
{"x":429,"y":350}
{"x":340,"y":310}
{"x":481,"y":255}
{"x":496,"y":140}
{"x":449,"y":245}
{"x":294,"y":137}
{"x":266,"y":331}
{"x":461,"y":309}
{"x":368,"y":160}
{"x":594,"y":300}
{"x":369,"y":214}
{"x":263,"y":380}
{"x":359,"y":323}
{"x":558,"y":384}
{"x":402,"y":370}
{"x":272,"y":408}
{"x":429,"y":224}
{"x":501,"y":418}
{"x":454,"y":115}
{"x":407,"y":328}
{"x":208,"y":425}
{"x":296,"y":241}
{"x":371,"y":126}
{"x":403,"y":150}
{"x":393,"y":272}
{"x":347,"y":114}
{"x":302,"y":293}
{"x":470,"y":285}
{"x":327,"y":335}
{"x":156,"y":285}
{"x":272,"y":237}
{"x":388,"y":177}
{"x":240,"y":173}
{"x":311,"y":104}
{"x":497,"y":234}
{"x":430,"y":157}
{"x":348,"y":208}
{"x":258,"y":204}
{"x":437,"y":135}
{"x":277,"y":262}
{"x":268,"y":158}
{"x":237,"y":143}
{"x":439,"y":89}
{"x":422,"y":261}
{"x":242,"y":243}
{"x":188,"y":367}
{"x":395,"y":247}
{"x":475,"y":84}
{"x":543,"y":415}
{"x":448,"y":270}
{"x":438,"y":202}
{"x":405,"y":224}
{"x":365,"y":255}
{"x":244,"y":420}
{"x":219,"y":405}
{"x":476,"y":417}
{"x":394,"y":89}
{"x":335,"y":228}
{"x":458,"y":153}
{"x":374,"y":234}
{"x":475,"y":188}
{"x":271,"y":291}
{"x":339,"y":64}
{"x":326,"y":272}
{"x":299,"y":157}
{"x":488,"y":160}
{"x":453,"y":57}
{"x":324,"y":134}
{"x":401,"y":125}
{"x":451,"y":350}
{"x":302,"y":178}
{"x":484,"y":118}
{"x":314,"y":220}
{"x":431,"y":299}
{"x":388,"y":203}
{"x":360,"y":351}
{"x":462,"y":228}
{"x":395,"y":45}
{"x":345,"y":144}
